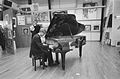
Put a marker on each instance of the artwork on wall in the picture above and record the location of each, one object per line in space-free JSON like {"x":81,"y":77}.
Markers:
{"x":41,"y":17}
{"x":87,"y":27}
{"x":7,"y":18}
{"x":21,"y":20}
{"x":117,"y":43}
{"x":89,"y":13}
{"x":118,"y":28}
{"x":35,"y":7}
{"x":9,"y":34}
{"x":44,"y":16}
{"x":25,"y":31}
{"x":28,"y":19}
{"x":96,"y":28}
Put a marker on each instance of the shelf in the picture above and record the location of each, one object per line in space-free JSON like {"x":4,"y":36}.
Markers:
{"x":90,"y":20}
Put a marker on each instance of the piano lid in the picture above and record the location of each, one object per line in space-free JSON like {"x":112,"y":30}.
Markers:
{"x":64,"y":25}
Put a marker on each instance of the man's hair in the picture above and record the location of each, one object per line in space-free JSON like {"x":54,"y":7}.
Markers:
{"x":42,"y":30}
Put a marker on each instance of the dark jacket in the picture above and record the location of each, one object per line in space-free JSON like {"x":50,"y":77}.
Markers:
{"x":37,"y":47}
{"x":37,"y":28}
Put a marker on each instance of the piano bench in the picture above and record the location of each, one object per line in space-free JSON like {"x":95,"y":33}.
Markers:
{"x":41,"y":60}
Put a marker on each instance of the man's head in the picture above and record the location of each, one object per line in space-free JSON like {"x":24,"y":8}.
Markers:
{"x":42,"y":32}
{"x":35,"y":23}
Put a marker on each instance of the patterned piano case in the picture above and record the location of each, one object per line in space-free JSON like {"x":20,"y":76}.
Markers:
{"x":63,"y":42}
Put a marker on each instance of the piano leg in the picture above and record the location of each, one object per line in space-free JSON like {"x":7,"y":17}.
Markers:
{"x":63,"y":60}
{"x":80,"y":50}
{"x":57,"y":58}
{"x":80,"y":47}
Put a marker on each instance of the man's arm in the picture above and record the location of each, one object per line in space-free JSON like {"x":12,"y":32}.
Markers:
{"x":39,"y":43}
{"x":32,"y":28}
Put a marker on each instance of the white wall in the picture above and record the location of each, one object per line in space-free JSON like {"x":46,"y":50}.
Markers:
{"x":67,"y":3}
{"x":55,"y":4}
{"x":115,"y":34}
{"x":91,"y":35}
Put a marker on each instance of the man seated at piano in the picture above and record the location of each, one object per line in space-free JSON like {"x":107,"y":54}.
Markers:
{"x":38,"y":46}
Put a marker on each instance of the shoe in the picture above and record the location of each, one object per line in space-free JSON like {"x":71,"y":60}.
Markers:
{"x":45,"y":66}
{"x":57,"y":62}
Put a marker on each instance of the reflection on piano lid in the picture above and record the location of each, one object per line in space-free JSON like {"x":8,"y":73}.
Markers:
{"x":64,"y":25}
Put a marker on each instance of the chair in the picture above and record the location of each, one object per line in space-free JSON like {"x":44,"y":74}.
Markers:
{"x":41,"y":60}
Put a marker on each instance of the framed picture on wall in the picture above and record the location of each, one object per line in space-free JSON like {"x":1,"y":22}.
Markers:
{"x":44,"y":16}
{"x":14,"y":22}
{"x":21,"y":20}
{"x":87,"y":27}
{"x":25,"y":30}
{"x":96,"y":28}
{"x":9,"y":34}
{"x":29,"y":19}
{"x":117,"y":43}
{"x":41,"y":16}
{"x":90,"y":13}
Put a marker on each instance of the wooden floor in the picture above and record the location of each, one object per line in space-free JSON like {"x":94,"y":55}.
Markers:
{"x":97,"y":62}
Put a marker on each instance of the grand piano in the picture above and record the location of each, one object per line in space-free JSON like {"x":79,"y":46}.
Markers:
{"x":62,"y":33}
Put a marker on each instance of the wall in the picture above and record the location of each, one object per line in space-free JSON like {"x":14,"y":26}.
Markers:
{"x":23,"y":40}
{"x":95,"y":19}
{"x":112,"y":8}
{"x":43,"y":5}
{"x":91,"y":35}
{"x":115,"y":34}
{"x":9,"y":42}
{"x":55,"y":4}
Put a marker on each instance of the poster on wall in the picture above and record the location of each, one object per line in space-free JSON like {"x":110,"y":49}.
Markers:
{"x":21,"y":20}
{"x":41,"y":16}
{"x":35,"y":7}
{"x":7,"y":18}
{"x":87,"y":27}
{"x":9,"y":34}
{"x":96,"y":28}
{"x":8,"y":21}
{"x":44,"y":16}
{"x":25,"y":30}
{"x":28,"y":19}
{"x":90,"y":13}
